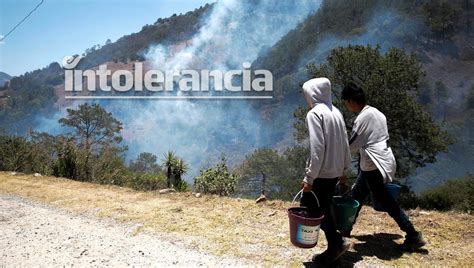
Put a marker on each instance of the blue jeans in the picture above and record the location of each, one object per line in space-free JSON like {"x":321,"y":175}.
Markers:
{"x":324,"y":190}
{"x":372,"y":182}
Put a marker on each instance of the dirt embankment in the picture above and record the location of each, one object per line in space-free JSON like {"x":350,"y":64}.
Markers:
{"x":59,"y":221}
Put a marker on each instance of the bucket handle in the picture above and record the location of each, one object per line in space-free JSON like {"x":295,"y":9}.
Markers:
{"x":301,"y":193}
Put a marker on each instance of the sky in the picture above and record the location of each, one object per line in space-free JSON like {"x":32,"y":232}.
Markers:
{"x":59,"y":28}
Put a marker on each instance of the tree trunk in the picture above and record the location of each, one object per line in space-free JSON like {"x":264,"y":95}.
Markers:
{"x":168,"y":175}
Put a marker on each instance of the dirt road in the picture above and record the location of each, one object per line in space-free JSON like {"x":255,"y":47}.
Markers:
{"x":72,"y":222}
{"x":32,"y":233}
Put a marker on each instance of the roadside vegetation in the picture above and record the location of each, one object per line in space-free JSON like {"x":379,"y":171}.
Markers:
{"x":457,"y":194}
{"x":91,"y":149}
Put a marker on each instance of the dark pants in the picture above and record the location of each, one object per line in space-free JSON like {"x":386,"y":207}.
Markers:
{"x":324,"y":190}
{"x":372,"y":182}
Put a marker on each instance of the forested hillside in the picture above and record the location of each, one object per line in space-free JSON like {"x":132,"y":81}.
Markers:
{"x":31,"y":96}
{"x":438,"y":33}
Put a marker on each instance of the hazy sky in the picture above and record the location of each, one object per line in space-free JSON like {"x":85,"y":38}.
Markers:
{"x":65,"y":27}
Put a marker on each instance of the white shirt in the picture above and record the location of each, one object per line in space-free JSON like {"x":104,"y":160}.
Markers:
{"x":370,"y":136}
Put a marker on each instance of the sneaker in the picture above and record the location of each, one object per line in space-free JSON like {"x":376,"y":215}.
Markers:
{"x":413,"y":242}
{"x":322,"y":257}
{"x":346,"y":233}
{"x":338,"y":252}
{"x":331,"y":256}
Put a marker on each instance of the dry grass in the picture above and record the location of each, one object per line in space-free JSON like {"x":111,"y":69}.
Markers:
{"x":258,"y":232}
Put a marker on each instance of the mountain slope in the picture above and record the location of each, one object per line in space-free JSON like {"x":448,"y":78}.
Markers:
{"x":397,"y":23}
{"x":4,"y":77}
{"x":439,"y":33}
{"x":32,"y":96}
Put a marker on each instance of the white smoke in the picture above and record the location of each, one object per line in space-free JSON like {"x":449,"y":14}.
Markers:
{"x":200,"y":131}
{"x":235,"y":32}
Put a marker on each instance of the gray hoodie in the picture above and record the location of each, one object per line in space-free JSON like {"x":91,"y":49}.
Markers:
{"x":330,"y":154}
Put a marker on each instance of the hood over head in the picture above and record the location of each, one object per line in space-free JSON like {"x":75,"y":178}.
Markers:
{"x":317,"y":90}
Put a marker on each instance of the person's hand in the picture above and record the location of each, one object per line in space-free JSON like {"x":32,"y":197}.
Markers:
{"x":343,"y":179}
{"x":306,"y":187}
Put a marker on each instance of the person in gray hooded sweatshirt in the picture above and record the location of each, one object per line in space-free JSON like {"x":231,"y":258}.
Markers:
{"x":329,"y":158}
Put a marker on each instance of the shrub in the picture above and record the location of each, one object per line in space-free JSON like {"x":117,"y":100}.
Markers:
{"x":43,"y":151}
{"x":109,"y":169}
{"x":216,"y":180}
{"x":146,"y":181}
{"x":66,"y":163}
{"x":14,"y":153}
{"x":455,"y":194}
{"x":407,"y":198}
{"x":181,"y":186}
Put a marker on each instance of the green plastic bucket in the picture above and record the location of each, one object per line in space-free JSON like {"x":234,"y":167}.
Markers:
{"x":343,"y":211}
{"x":393,"y":190}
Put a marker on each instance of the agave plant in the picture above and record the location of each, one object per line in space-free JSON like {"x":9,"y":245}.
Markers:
{"x":180,"y":168}
{"x":169,"y":161}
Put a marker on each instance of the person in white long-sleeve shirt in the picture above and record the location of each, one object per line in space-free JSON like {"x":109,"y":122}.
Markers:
{"x":377,"y":162}
{"x":329,"y":158}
